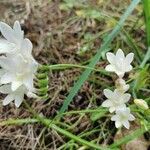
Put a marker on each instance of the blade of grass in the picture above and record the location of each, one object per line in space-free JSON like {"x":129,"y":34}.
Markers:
{"x":96,"y":58}
{"x":50,"y":124}
{"x":146,"y":4}
{"x":47,"y":123}
{"x":68,"y":66}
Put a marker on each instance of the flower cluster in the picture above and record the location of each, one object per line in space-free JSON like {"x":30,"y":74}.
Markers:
{"x":117,"y":99}
{"x":18,"y":67}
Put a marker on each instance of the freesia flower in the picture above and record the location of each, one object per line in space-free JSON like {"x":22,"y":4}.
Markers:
{"x":17,"y":95}
{"x":18,"y":67}
{"x":18,"y":71}
{"x":122,"y":117}
{"x":14,"y":38}
{"x":121,"y":85}
{"x":119,"y":63}
{"x":115,"y":99}
{"x":14,"y":41}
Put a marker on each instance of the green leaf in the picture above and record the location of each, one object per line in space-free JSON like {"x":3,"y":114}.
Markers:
{"x":96,"y":58}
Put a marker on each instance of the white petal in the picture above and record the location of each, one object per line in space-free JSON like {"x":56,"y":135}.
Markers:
{"x":126,"y":87}
{"x":5,"y":89}
{"x":32,"y":95}
{"x":7,"y":32}
{"x":110,"y":57}
{"x":114,"y":118}
{"x":129,"y":58}
{"x":128,"y":68}
{"x":15,"y":85}
{"x":26,"y":47}
{"x":6,"y":47}
{"x":6,"y":78}
{"x":8,"y":99}
{"x":131,"y":117}
{"x":120,"y":54}
{"x":19,"y":34}
{"x":118,"y":124}
{"x":6,"y":63}
{"x":126,"y":97}
{"x":2,"y":72}
{"x":126,"y":124}
{"x":108,"y":93}
{"x":17,"y":28}
{"x":18,"y":100}
{"x":121,"y":106}
{"x":107,"y":103}
{"x":110,"y":68}
{"x":28,"y":82}
{"x":111,"y":109}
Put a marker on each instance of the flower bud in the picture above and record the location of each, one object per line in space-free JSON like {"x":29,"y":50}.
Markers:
{"x":121,"y":85}
{"x":141,"y":104}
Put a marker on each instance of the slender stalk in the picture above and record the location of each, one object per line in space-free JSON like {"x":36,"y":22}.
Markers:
{"x":18,"y":121}
{"x":50,"y":124}
{"x":68,"y":66}
{"x":86,"y":111}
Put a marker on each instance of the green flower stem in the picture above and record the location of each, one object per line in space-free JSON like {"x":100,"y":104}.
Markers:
{"x":51,"y":124}
{"x":47,"y":123}
{"x":68,"y":66}
{"x":86,"y":111}
{"x":18,"y":121}
{"x":76,"y":138}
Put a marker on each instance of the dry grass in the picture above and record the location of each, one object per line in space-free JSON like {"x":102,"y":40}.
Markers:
{"x":57,"y":37}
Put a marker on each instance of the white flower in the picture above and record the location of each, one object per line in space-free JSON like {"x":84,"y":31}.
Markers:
{"x":14,"y":38}
{"x":121,"y":85}
{"x":119,"y":63}
{"x":15,"y":42}
{"x":115,"y":99}
{"x":18,"y":64}
{"x":122,"y":117}
{"x":18,"y":71}
{"x":18,"y":67}
{"x":17,"y":95}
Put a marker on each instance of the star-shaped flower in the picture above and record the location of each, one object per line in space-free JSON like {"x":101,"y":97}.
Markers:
{"x":115,"y":99}
{"x":13,"y":37}
{"x":17,"y":95}
{"x":18,"y":67}
{"x":18,"y":71}
{"x":122,"y":117}
{"x":119,"y":63}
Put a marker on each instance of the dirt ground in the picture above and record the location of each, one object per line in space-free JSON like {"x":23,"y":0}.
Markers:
{"x":63,"y":34}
